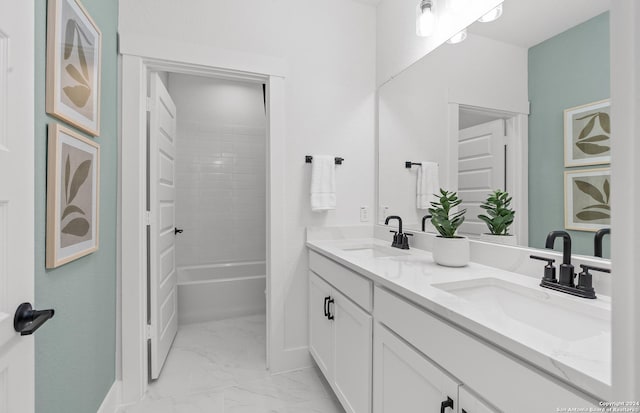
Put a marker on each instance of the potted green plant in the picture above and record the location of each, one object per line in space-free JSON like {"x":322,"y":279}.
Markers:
{"x":448,"y":249}
{"x":498,"y":218}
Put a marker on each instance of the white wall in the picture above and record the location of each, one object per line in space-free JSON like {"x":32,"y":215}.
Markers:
{"x":329,"y":46}
{"x":625,"y":238}
{"x":220,"y":170}
{"x":398,"y":45}
{"x":413,"y":111}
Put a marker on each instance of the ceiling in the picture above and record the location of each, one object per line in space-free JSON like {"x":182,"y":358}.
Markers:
{"x":529,"y":22}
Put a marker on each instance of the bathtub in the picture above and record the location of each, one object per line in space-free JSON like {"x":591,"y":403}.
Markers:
{"x":215,"y":292}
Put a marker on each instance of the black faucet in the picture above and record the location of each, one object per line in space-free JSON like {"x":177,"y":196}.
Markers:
{"x":566,"y":269}
{"x":565,"y":282}
{"x":597,"y":241}
{"x":400,"y":239}
{"x":424,"y":222}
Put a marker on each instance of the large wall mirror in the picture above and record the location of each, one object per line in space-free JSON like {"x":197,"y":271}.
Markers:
{"x":521,"y":105}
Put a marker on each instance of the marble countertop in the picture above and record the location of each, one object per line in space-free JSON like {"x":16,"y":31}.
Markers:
{"x":583,"y":362}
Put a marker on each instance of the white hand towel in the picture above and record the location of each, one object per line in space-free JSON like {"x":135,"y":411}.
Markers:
{"x":428,"y":184}
{"x":323,"y":183}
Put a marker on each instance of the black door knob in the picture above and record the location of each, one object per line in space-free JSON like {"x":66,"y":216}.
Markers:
{"x":177,"y":231}
{"x":27,"y":320}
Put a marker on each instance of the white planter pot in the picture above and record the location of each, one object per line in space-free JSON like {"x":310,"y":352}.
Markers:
{"x":451,"y":252}
{"x":499,"y":239}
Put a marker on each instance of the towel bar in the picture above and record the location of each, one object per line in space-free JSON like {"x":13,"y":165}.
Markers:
{"x":309,"y":159}
{"x":408,"y":164}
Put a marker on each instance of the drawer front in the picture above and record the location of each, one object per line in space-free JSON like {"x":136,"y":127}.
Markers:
{"x":499,"y":378}
{"x":354,"y":286}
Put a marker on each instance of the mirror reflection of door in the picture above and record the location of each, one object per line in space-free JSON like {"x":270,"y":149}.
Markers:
{"x":481,"y":167}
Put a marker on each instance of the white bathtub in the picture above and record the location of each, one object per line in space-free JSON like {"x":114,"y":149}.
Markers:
{"x":215,"y":292}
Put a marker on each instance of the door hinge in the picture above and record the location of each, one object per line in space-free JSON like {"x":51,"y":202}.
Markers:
{"x":149,"y":104}
{"x":147,"y":218}
{"x":147,"y":332}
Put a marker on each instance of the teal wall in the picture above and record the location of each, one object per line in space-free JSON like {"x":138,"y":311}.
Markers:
{"x":568,"y":70}
{"x":75,"y":351}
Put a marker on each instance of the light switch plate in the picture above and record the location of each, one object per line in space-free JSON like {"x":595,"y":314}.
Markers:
{"x":364,"y":214}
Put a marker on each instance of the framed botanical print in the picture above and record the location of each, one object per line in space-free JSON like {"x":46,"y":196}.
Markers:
{"x":587,"y":134}
{"x":73,"y":65}
{"x":587,"y":199}
{"x":73,"y":196}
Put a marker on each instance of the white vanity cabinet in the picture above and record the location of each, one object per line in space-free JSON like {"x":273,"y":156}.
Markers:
{"x":340,"y":342}
{"x":406,"y":381}
{"x":383,"y":353}
{"x":468,"y":403}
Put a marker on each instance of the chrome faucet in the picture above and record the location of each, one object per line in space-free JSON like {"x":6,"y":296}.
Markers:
{"x":597,"y":241}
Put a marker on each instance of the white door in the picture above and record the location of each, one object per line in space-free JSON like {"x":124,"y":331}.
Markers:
{"x":405,"y":381}
{"x":16,"y":201}
{"x":352,"y":354}
{"x":472,"y":404}
{"x":481,"y":170}
{"x":320,"y":329}
{"x":162,"y":193}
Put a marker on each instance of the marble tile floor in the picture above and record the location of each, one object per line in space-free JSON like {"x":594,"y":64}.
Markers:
{"x":219,"y":367}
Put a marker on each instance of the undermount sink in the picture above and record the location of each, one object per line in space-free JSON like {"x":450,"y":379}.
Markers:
{"x":561,"y":317}
{"x":374,"y":251}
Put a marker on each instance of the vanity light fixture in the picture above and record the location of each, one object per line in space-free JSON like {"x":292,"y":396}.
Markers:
{"x":458,"y":37}
{"x":492,"y":15}
{"x":425,"y":18}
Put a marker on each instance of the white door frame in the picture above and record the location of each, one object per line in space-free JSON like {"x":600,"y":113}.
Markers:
{"x":140,"y":56}
{"x":517,"y":160}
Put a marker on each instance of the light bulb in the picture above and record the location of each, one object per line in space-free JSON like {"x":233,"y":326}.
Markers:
{"x":425,"y":19}
{"x":492,"y":15}
{"x":458,"y":37}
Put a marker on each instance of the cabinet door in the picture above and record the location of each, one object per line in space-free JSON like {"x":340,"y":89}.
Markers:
{"x":406,"y":381}
{"x":352,"y":354}
{"x":469,"y":403}
{"x":320,"y":327}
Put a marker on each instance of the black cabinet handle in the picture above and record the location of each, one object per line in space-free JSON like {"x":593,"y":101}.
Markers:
{"x":27,"y":320}
{"x":445,"y":404}
{"x":331,"y":301}
{"x":177,"y":231}
{"x":326,"y":311}
{"x":464,"y":411}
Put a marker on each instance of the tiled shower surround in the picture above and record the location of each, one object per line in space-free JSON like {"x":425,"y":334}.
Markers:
{"x":220,"y":171}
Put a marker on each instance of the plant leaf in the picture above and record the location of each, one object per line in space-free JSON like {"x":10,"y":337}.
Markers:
{"x":78,"y":227}
{"x":595,"y":138}
{"x":79,"y":95}
{"x":83,"y":59}
{"x":67,"y":176}
{"x":79,"y":176}
{"x":600,"y":206}
{"x":592,"y":148}
{"x":605,"y":121}
{"x":73,"y":72}
{"x":69,"y":37}
{"x":607,"y":189}
{"x":70,"y":209}
{"x":592,"y":215}
{"x":590,"y":190}
{"x":587,"y":129}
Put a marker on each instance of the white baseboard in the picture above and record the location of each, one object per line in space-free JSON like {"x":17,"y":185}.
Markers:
{"x":290,"y":360}
{"x":111,"y":400}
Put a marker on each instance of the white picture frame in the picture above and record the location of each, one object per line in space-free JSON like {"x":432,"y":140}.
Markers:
{"x":74,"y":49}
{"x":587,"y":134}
